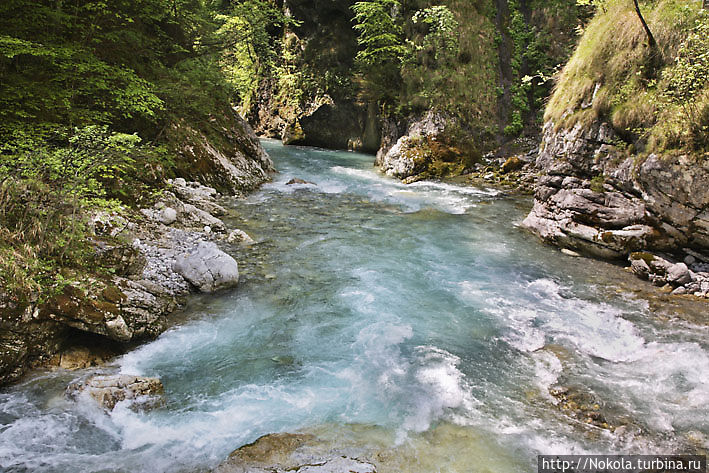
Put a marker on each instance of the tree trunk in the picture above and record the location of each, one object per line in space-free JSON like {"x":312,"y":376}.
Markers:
{"x":705,"y":4}
{"x":650,"y":38}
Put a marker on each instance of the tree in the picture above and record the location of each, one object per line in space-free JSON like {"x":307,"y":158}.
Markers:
{"x":650,"y":38}
{"x":442,"y":35}
{"x":382,"y":46}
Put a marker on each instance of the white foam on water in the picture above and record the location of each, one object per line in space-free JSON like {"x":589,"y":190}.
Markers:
{"x":179,"y":340}
{"x":547,"y":368}
{"x":440,"y":391}
{"x":367,"y":175}
{"x":445,"y":197}
{"x":470,"y":190}
{"x":595,"y":329}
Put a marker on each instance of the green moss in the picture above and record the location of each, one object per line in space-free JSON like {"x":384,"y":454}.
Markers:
{"x":646,"y":257}
{"x":597,"y":184}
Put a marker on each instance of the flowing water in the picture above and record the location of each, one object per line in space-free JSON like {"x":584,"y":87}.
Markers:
{"x":414,"y":320}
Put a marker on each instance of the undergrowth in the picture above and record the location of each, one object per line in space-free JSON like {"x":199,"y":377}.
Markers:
{"x":49,"y":190}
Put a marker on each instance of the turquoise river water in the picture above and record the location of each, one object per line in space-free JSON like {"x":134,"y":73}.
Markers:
{"x":418,"y":321}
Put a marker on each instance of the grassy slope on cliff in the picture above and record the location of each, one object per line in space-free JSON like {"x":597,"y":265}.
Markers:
{"x":656,"y":104}
{"x":463,"y":86}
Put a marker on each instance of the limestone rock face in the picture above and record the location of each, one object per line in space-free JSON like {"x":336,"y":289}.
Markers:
{"x":400,"y":159}
{"x":341,"y":126}
{"x":594,"y":199}
{"x":208,"y":268}
{"x":108,"y":391}
{"x":83,"y":356}
{"x":226,"y":156}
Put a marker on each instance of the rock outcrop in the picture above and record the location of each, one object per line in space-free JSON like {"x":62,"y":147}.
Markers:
{"x":175,"y":256}
{"x":224,"y":154}
{"x":680,"y":277}
{"x":325,"y":123}
{"x":401,"y":160}
{"x":431,"y":147}
{"x":341,"y":126}
{"x":597,"y":199}
{"x":208,"y":268}
{"x":108,"y":391}
{"x":281,"y":453}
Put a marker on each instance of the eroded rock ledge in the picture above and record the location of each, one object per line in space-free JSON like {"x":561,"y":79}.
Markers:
{"x":596,"y":199}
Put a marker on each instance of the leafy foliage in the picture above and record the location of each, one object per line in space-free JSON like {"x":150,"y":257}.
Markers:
{"x":380,"y":35}
{"x":45,"y":195}
{"x":442,"y":36}
{"x":86,"y":90}
{"x":687,"y":81}
{"x":382,"y":47}
{"x":249,"y":46}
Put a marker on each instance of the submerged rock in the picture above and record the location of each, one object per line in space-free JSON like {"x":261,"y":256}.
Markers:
{"x":295,"y":180}
{"x":108,"y":391}
{"x":580,"y":405}
{"x":208,"y":268}
{"x":281,"y":453}
{"x":239,"y":236}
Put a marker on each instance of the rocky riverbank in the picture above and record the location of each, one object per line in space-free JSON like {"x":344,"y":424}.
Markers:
{"x":154,"y":258}
{"x":595,"y":198}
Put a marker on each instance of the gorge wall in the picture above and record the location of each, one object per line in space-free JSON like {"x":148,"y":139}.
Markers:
{"x":468,"y":77}
{"x":595,"y":199}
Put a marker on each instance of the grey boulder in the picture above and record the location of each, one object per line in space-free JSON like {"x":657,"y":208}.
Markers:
{"x":208,"y":268}
{"x":108,"y":391}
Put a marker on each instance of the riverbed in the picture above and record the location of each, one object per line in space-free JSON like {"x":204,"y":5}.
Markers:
{"x":417,"y":320}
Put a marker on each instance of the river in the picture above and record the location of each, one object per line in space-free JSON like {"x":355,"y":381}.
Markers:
{"x":419,"y":320}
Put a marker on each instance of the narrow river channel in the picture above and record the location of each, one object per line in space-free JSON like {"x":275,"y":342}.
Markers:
{"x":416,"y":320}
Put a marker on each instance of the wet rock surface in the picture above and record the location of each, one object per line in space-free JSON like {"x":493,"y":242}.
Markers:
{"x":280,"y":453}
{"x":297,"y":181}
{"x":580,"y":405}
{"x":108,"y":391}
{"x":678,"y":277}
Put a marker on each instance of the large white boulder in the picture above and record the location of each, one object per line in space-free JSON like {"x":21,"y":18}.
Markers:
{"x":208,"y":268}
